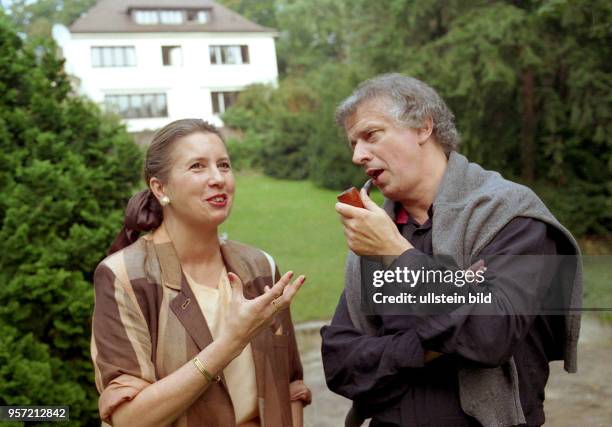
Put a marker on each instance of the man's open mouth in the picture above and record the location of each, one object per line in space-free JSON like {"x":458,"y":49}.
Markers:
{"x":374,"y":173}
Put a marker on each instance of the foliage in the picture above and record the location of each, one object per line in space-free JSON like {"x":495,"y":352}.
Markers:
{"x":67,"y":172}
{"x":262,"y":12}
{"x":36,"y":18}
{"x":246,"y":152}
{"x":35,"y":370}
{"x":310,"y":34}
{"x":330,"y":157}
{"x":281,"y":122}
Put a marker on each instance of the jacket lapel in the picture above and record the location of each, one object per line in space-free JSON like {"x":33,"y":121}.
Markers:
{"x":184,"y":306}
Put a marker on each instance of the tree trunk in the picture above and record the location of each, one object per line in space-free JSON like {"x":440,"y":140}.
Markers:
{"x":527,"y":147}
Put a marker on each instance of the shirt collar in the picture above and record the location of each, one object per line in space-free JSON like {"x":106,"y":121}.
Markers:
{"x":402,"y":217}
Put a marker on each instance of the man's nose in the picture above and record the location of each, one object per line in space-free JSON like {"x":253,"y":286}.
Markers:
{"x":360,"y":154}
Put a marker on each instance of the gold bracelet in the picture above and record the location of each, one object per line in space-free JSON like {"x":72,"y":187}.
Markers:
{"x":200,"y":366}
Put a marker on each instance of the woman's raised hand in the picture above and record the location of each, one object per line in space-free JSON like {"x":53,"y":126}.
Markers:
{"x":247,"y":317}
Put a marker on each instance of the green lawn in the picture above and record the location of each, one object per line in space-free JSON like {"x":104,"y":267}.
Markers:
{"x":598,"y":284}
{"x":296,"y":223}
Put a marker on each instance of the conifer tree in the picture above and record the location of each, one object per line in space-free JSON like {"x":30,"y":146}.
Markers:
{"x":67,"y":171}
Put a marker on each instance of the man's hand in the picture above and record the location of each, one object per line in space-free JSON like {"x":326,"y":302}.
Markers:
{"x":370,"y":231}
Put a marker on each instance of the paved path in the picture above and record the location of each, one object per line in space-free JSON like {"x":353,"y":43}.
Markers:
{"x":583,"y":399}
{"x":327,"y":409}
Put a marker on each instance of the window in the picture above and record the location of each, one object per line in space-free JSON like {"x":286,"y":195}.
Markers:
{"x":146,"y":17}
{"x":135,"y":106}
{"x":229,"y":54}
{"x":113,"y":56}
{"x":199,"y":16}
{"x":171,"y":17}
{"x":202,"y":17}
{"x":221,"y":101}
{"x":172,"y":55}
{"x":154,"y":17}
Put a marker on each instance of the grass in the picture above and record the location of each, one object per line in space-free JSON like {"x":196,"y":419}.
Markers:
{"x":598,"y":284}
{"x":295,"y":222}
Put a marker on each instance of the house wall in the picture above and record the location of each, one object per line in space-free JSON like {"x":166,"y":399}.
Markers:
{"x":188,"y":87}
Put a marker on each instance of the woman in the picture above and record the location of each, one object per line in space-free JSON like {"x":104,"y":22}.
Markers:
{"x":188,"y":329}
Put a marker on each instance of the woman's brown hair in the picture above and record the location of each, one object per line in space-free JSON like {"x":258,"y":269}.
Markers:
{"x":143,"y":212}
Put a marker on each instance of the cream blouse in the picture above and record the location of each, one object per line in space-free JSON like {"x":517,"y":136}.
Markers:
{"x":240,"y":372}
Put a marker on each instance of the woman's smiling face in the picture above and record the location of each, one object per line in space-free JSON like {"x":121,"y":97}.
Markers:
{"x":201,"y":183}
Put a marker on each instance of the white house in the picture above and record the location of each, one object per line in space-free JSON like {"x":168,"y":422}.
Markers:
{"x":154,"y":61}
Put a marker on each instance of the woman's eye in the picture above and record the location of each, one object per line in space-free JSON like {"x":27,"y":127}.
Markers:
{"x":196,"y":165}
{"x":225,"y":165}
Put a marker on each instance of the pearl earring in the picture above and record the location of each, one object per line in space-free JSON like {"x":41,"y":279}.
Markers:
{"x":165,"y":200}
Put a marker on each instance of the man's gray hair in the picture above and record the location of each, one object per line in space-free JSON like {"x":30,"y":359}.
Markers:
{"x":412,"y":102}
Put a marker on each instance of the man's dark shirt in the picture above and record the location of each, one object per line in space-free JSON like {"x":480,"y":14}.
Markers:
{"x":386,"y":375}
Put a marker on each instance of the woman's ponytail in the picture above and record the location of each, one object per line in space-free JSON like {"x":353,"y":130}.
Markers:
{"x":143,"y":213}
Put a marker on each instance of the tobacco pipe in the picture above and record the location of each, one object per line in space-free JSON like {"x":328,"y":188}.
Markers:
{"x":351,"y":196}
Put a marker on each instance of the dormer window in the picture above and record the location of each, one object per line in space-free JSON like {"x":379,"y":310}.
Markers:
{"x":169,"y":16}
{"x":154,"y":17}
{"x":199,"y":16}
{"x":146,"y":17}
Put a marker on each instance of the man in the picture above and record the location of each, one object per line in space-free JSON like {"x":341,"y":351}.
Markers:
{"x":443,"y":369}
